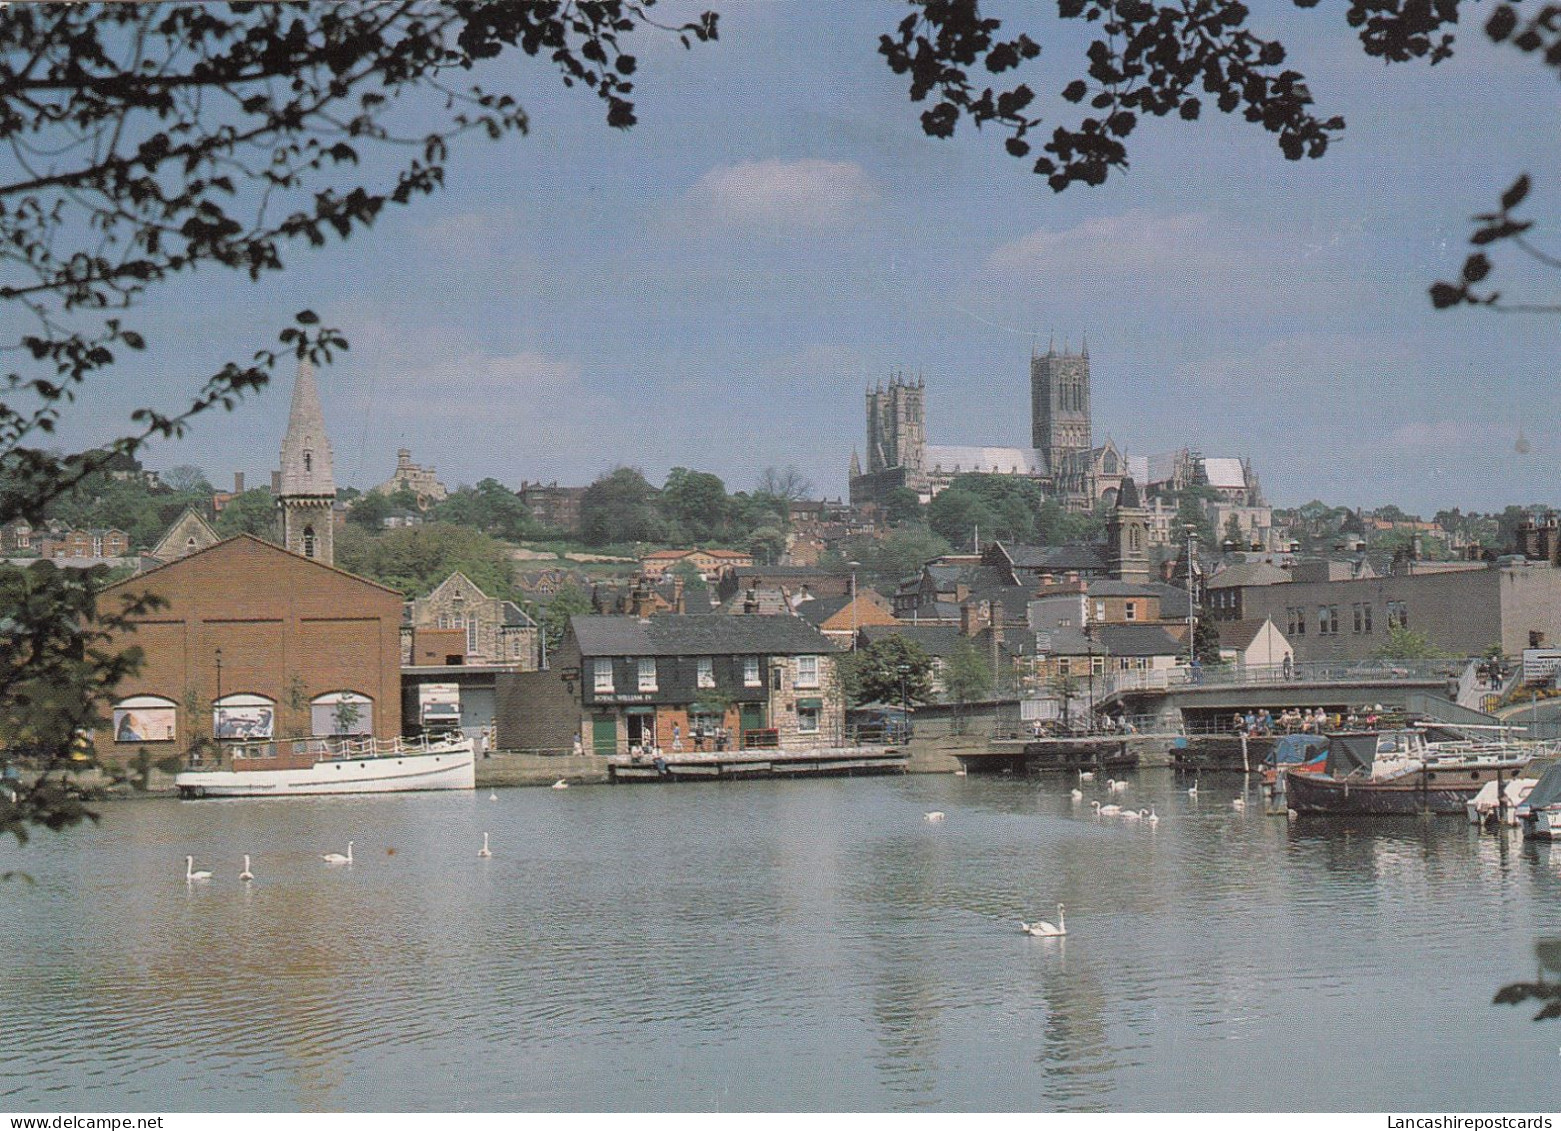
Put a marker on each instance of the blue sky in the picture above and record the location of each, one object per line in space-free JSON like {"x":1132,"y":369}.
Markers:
{"x":717,"y":287}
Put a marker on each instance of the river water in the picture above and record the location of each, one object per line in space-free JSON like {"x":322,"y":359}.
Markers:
{"x":774,"y":946}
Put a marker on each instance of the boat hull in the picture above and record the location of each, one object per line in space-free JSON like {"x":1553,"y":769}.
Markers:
{"x":1421,"y":791}
{"x":452,"y":767}
{"x":1541,"y":824}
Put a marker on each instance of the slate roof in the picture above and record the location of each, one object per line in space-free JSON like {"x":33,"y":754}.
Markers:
{"x":938,"y":640}
{"x":1137,"y":640}
{"x":698,"y":635}
{"x":1057,"y":559}
{"x":820,"y":609}
{"x":1249,"y":573}
{"x":1239,"y":634}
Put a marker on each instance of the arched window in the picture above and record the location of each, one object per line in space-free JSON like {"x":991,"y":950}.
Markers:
{"x":308,"y":462}
{"x":341,"y":712}
{"x":145,"y":718}
{"x":308,"y":541}
{"x":244,"y":717}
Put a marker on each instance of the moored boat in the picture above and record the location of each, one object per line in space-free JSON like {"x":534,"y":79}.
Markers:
{"x":1540,"y":812}
{"x":1381,"y":773}
{"x":302,"y":766}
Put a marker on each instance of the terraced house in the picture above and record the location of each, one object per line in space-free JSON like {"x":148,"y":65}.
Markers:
{"x":678,"y":683}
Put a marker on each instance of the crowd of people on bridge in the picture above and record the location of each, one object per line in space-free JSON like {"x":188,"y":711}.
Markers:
{"x":1305,"y":721}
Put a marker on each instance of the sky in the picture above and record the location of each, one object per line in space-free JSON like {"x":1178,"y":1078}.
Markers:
{"x":717,"y":287}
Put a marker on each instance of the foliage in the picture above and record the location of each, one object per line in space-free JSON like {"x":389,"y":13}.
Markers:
{"x":417,"y":559}
{"x":59,"y":664}
{"x":968,"y":673}
{"x":620,"y":507}
{"x":489,"y":507}
{"x":151,"y":141}
{"x":902,"y":553}
{"x":1206,"y":639}
{"x":902,"y":505}
{"x":570,"y":600}
{"x":1407,"y":644}
{"x":1003,"y":506}
{"x":694,"y":504}
{"x":1190,"y":512}
{"x":872,"y":674}
{"x":369,"y":511}
{"x":253,"y":512}
{"x":788,"y":485}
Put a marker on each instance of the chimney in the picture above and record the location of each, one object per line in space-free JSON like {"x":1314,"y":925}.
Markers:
{"x":238,"y":482}
{"x":997,"y":621}
{"x":677,"y":596}
{"x":966,"y":620}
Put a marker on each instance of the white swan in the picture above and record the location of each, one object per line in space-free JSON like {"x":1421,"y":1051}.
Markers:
{"x":246,"y":875}
{"x":1078,"y":795}
{"x":484,"y":850}
{"x":560,"y":784}
{"x":1086,"y":775}
{"x":1153,"y":818}
{"x":492,"y":796}
{"x":190,"y":875}
{"x":337,"y":857}
{"x":1106,"y":810}
{"x":1046,"y":930}
{"x":1132,"y":815}
{"x":1238,"y":803}
{"x":1115,"y":786}
{"x":1193,"y":792}
{"x":934,"y":816}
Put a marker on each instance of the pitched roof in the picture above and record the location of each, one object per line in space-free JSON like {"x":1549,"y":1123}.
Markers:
{"x":1239,"y":634}
{"x":1249,"y":573}
{"x":215,"y":547}
{"x":938,"y":640}
{"x":704,"y":634}
{"x":1137,"y":640}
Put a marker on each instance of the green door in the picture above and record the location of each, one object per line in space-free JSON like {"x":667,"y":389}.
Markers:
{"x":604,"y":734}
{"x":752,"y":718}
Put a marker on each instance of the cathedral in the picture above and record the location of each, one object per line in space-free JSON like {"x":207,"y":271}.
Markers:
{"x":1062,"y":457}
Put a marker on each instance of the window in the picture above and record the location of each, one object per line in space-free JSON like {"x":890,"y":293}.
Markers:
{"x":308,"y":462}
{"x":809,"y":712}
{"x":1097,"y":665}
{"x":807,"y":671}
{"x":647,"y":673}
{"x":1398,"y":614}
{"x":706,"y":677}
{"x":145,"y":718}
{"x":751,"y":672}
{"x":1358,"y":617}
{"x":1064,"y":666}
{"x":308,"y":541}
{"x":471,"y":636}
{"x":244,"y":717}
{"x":1100,"y":610}
{"x":1367,"y":608}
{"x":1130,"y":610}
{"x":603,"y":676}
{"x":341,"y":712}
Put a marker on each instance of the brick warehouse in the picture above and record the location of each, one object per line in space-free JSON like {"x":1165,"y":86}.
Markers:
{"x":305,"y":648}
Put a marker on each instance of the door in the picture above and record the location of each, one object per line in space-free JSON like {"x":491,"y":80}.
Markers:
{"x":604,"y":734}
{"x":752,"y":718}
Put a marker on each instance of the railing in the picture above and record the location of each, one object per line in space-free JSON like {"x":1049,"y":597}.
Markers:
{"x":1231,"y":675}
{"x":309,"y":750}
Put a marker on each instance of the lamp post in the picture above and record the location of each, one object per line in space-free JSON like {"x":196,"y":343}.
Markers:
{"x":1089,"y":644}
{"x":854,"y":567}
{"x":216,"y":703}
{"x":905,"y":702}
{"x":1192,"y":615}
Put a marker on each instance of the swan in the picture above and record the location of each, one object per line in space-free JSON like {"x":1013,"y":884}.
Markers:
{"x":1132,"y":815}
{"x":1086,"y":775}
{"x":1078,"y":795}
{"x":1238,"y":803}
{"x":1106,"y":810}
{"x":246,"y":875}
{"x":1193,"y":792}
{"x":492,"y":796}
{"x":934,"y":816}
{"x":560,"y":784}
{"x":1116,"y":786}
{"x":337,"y":857}
{"x":1111,"y":785}
{"x":1046,"y":930}
{"x":1153,"y":818}
{"x":484,"y":850}
{"x":190,"y":875}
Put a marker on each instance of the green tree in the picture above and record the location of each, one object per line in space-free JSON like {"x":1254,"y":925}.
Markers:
{"x":1407,"y":644}
{"x":489,"y":507}
{"x":902,"y":505}
{"x":370,"y":511}
{"x":620,"y":507}
{"x":902,"y":553}
{"x":695,"y":503}
{"x":568,"y":601}
{"x":416,"y":559}
{"x":1206,"y":639}
{"x":875,"y":672}
{"x":187,"y":479}
{"x":968,"y":674}
{"x":253,"y":512}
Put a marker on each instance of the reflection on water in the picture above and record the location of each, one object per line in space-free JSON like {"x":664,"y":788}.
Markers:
{"x":772,"y":946}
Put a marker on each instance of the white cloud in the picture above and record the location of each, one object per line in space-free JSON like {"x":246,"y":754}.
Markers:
{"x":1131,"y":243}
{"x":803,"y":195}
{"x":1443,"y":433}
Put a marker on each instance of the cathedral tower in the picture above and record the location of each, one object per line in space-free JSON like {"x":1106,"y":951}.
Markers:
{"x":306,"y":486}
{"x":1059,"y":406}
{"x":896,"y":425}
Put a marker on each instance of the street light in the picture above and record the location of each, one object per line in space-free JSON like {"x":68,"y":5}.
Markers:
{"x":905,"y":703}
{"x":854,"y":567}
{"x":1192,"y":616}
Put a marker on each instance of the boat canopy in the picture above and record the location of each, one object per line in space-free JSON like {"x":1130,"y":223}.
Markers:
{"x":1293,"y":749}
{"x":1548,"y":791}
{"x":1351,"y":753}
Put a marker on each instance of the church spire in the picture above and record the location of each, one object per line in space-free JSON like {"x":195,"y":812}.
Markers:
{"x":307,"y":483}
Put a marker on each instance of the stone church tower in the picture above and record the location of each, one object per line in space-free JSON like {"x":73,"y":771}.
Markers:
{"x":1059,"y":407}
{"x":897,"y":426}
{"x":306,"y":486}
{"x":1127,"y":536}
